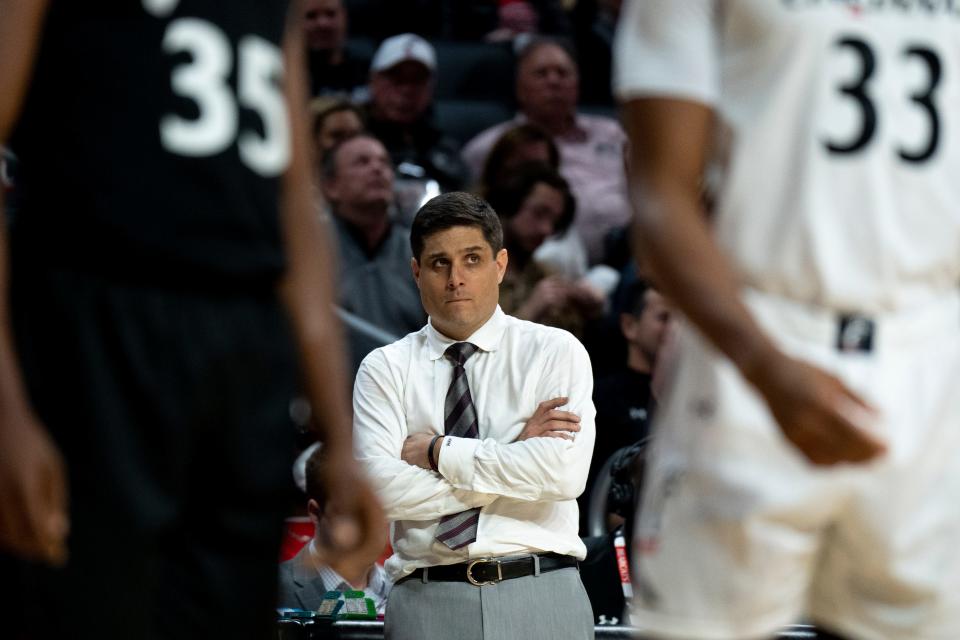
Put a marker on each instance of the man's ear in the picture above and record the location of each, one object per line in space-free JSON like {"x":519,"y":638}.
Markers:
{"x":501,"y":259}
{"x":415,"y":267}
{"x":313,"y":510}
{"x":628,"y":326}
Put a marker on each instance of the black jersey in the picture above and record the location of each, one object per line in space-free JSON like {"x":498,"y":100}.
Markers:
{"x":153,"y":139}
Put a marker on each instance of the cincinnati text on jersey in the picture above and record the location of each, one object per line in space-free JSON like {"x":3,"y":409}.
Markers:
{"x":915,"y":7}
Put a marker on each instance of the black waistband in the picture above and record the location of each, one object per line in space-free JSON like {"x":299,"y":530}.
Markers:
{"x":493,"y":570}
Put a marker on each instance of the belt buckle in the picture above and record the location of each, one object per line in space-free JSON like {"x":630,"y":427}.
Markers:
{"x":477,"y":583}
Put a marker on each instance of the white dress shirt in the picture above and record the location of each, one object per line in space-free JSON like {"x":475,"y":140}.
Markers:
{"x":527,"y":489}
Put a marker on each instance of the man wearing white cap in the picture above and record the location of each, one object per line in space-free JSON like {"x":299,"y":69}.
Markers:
{"x":401,"y":92}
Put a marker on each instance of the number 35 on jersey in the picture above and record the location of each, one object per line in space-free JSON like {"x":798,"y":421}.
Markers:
{"x":203,"y":78}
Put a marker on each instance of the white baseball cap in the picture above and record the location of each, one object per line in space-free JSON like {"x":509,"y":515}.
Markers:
{"x":406,"y":46}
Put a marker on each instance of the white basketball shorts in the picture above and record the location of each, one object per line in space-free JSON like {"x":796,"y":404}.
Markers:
{"x":738,"y":535}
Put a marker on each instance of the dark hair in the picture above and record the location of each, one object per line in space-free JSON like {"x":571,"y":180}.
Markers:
{"x":324,"y":107}
{"x":329,"y":168}
{"x":537,"y":42}
{"x":635,"y":297}
{"x":455,"y":209}
{"x":313,"y":475}
{"x":507,"y":198}
{"x":507,"y":145}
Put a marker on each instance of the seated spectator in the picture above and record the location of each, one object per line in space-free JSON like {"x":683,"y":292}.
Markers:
{"x":503,"y":20}
{"x":334,"y":120}
{"x":518,"y":145}
{"x":591,"y":147}
{"x":624,"y":401}
{"x":333,"y":69}
{"x":564,"y":253}
{"x":316,"y":569}
{"x":534,"y":205}
{"x":375,"y":282}
{"x":401,"y":94}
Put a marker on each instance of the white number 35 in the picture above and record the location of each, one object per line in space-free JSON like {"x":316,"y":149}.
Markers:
{"x":204,"y":80}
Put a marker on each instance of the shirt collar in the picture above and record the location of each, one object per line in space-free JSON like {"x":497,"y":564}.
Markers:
{"x":487,"y":337}
{"x":376,"y":580}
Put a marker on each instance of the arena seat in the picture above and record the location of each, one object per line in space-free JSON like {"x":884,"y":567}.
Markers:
{"x":463,"y":119}
{"x":474,"y":71}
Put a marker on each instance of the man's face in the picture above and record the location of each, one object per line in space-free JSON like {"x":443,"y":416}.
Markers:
{"x":364,"y":174}
{"x":324,"y":24}
{"x":402,"y":93}
{"x":537,"y":218}
{"x":459,"y":279}
{"x":548,"y":84}
{"x":647,"y":331}
{"x":337,"y":126}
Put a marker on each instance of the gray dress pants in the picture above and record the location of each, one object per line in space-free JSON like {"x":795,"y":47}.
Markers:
{"x":551,"y":606}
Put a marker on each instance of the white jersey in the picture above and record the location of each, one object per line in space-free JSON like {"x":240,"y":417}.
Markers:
{"x":839,"y":143}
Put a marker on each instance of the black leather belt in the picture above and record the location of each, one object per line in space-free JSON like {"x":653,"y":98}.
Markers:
{"x":483,"y":571}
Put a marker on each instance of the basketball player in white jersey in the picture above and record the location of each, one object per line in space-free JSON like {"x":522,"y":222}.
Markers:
{"x":807,"y":457}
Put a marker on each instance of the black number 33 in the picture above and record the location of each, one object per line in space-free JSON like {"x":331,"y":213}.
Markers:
{"x":858,"y":91}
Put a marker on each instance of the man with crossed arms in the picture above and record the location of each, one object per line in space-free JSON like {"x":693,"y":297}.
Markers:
{"x":461,"y":428}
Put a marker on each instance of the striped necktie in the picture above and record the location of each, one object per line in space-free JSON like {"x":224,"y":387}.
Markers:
{"x":459,"y":419}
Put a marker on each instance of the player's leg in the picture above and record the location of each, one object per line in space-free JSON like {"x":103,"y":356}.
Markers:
{"x":731,"y":518}
{"x":220,"y":563}
{"x":79,"y":345}
{"x":894,"y":571}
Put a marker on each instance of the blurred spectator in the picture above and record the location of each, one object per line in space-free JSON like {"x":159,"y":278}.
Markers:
{"x":534,"y":205}
{"x":317,"y":569}
{"x":333,"y":68}
{"x":499,"y":20}
{"x":624,"y":401}
{"x":518,"y":145}
{"x":591,"y":147}
{"x":374,"y":278}
{"x":401,"y":95}
{"x":334,"y":120}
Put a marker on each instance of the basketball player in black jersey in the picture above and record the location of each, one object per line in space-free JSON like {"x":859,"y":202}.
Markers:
{"x":165,"y":268}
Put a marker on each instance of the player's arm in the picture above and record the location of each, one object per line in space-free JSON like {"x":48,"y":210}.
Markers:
{"x":407,"y":491}
{"x":33,"y":503}
{"x":815,"y":411}
{"x":308,"y":292}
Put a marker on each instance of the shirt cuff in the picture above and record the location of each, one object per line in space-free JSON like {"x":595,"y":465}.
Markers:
{"x":456,"y":460}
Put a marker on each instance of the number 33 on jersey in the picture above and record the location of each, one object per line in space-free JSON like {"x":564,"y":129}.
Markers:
{"x":205,"y":62}
{"x":838,"y":145}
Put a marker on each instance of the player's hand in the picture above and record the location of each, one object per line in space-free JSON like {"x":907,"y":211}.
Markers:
{"x":415,"y":450}
{"x":816,"y":412}
{"x":549,"y":422}
{"x":33,"y":491}
{"x":357,"y":521}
